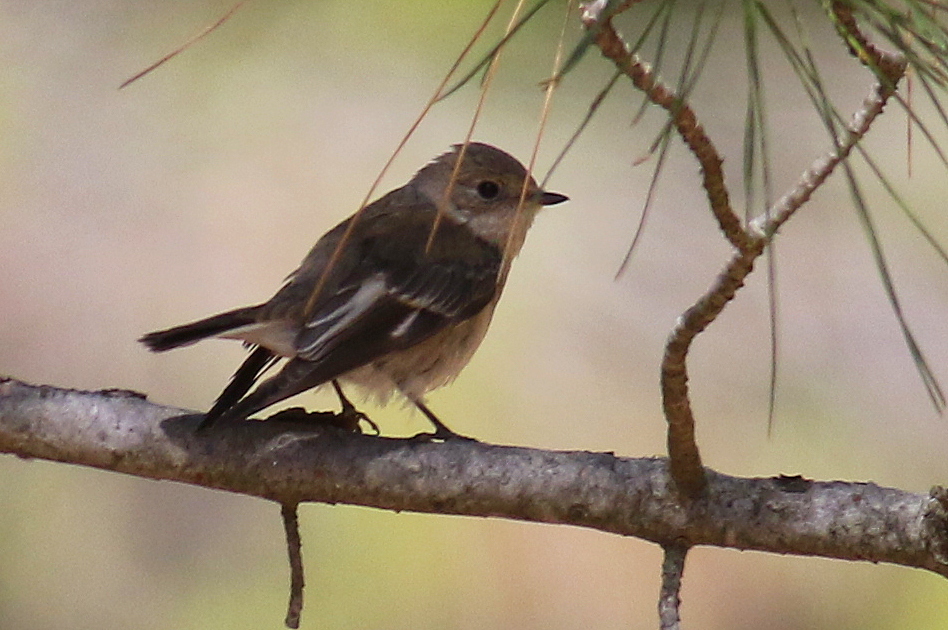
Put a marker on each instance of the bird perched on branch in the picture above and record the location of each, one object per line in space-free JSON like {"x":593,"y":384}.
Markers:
{"x":396,"y":298}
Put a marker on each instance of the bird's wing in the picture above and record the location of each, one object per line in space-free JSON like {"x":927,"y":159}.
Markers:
{"x":399,"y":294}
{"x":385,"y":291}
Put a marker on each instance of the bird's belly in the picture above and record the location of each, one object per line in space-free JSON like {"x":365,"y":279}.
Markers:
{"x":430,"y":364}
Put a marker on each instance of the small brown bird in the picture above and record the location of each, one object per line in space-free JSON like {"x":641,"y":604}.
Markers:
{"x":399,"y":309}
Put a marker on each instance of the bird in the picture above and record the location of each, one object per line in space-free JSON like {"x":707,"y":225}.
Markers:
{"x":395,"y":299}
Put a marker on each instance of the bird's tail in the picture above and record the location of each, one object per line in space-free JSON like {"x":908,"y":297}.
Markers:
{"x":162,"y":340}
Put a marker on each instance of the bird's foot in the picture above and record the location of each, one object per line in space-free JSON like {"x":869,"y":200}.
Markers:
{"x":440,"y":434}
{"x":350,"y":416}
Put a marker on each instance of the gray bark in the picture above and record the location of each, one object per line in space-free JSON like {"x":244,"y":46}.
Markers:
{"x":291,"y":462}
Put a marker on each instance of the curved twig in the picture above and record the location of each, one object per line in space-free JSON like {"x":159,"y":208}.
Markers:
{"x":684,"y":456}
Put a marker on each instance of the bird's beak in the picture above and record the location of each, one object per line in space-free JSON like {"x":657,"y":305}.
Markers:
{"x":552,"y":198}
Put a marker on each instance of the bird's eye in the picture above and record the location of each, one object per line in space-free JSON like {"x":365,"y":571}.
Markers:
{"x":488,"y":189}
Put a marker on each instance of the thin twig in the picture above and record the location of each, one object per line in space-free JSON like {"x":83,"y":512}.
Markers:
{"x":766,"y":227}
{"x":551,"y":85}
{"x":669,"y":598}
{"x":885,"y":64}
{"x":685,"y":121}
{"x":489,"y":74}
{"x":180,"y":49}
{"x":684,"y":456}
{"x":291,"y":525}
{"x":683,"y":453}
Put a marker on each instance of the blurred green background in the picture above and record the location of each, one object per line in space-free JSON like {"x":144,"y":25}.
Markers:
{"x":200,"y":187}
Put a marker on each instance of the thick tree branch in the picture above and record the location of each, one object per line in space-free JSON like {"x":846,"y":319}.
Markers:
{"x":289,"y":463}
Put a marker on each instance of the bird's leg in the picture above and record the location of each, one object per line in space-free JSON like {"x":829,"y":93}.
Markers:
{"x":441,"y":432}
{"x":349,"y":414}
